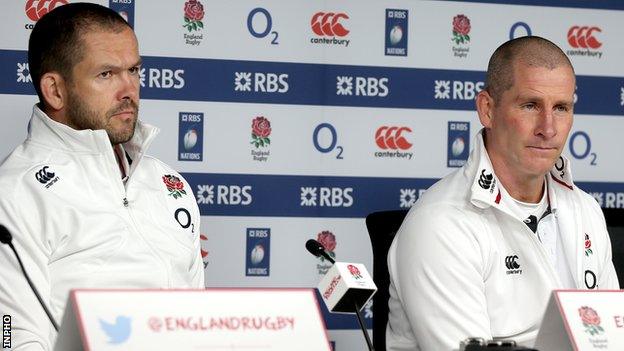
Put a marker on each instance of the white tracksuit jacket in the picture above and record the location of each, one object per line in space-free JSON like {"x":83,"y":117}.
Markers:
{"x":448,"y":263}
{"x":77,"y":225}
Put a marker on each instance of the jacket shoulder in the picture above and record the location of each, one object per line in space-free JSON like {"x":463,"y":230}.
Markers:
{"x":450,"y":192}
{"x":159,"y":165}
{"x":20,"y":168}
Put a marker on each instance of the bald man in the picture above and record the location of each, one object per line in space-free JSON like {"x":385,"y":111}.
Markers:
{"x":481,"y":251}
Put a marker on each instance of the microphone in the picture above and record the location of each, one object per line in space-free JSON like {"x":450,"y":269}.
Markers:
{"x":346,"y":287}
{"x":317,"y":249}
{"x":7,"y":238}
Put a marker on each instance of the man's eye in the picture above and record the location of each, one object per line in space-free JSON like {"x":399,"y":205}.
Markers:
{"x":529,"y":106}
{"x":106,"y":74}
{"x":134,"y":70}
{"x":562,"y":108}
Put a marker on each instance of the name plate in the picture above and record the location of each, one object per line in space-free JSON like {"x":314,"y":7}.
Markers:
{"x":211,"y":319}
{"x":583,"y":320}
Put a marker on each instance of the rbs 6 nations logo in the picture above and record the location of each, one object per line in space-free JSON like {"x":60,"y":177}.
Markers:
{"x":396,"y":32}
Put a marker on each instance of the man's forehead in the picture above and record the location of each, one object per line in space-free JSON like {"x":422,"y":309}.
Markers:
{"x":120,"y":42}
{"x":97,"y":36}
{"x":525,"y":73}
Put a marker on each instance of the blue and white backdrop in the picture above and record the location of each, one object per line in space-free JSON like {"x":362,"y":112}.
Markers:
{"x":294,"y":119}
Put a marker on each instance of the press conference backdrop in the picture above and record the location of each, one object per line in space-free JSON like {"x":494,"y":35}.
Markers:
{"x":294,"y":119}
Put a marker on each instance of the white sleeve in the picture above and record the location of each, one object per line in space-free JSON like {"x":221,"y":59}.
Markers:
{"x":436,"y":266}
{"x":30,"y":327}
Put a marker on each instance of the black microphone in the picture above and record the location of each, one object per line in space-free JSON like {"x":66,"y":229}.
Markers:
{"x":6,"y":238}
{"x":338,"y":291}
{"x":317,"y":249}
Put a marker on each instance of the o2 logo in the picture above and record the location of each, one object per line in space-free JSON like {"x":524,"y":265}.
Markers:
{"x":262,"y":12}
{"x":513,"y":31}
{"x":333,"y":139}
{"x":580,"y":147}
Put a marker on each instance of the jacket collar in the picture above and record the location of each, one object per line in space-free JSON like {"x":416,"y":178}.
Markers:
{"x":44,"y":130}
{"x":486,"y":188}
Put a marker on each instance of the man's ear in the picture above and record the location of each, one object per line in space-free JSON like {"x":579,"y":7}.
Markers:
{"x":485,"y":108}
{"x":53,"y":90}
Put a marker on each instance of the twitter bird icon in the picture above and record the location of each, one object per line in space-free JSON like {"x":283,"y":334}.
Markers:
{"x":117,"y":332}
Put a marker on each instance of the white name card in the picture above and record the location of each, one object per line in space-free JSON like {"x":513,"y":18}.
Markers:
{"x":583,"y":320}
{"x":211,"y":319}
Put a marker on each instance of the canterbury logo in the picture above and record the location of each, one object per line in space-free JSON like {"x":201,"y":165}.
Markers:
{"x":510,"y":262}
{"x":43,"y":176}
{"x":35,"y":9}
{"x":392,"y":138}
{"x":485,"y":180}
{"x":328,"y":24}
{"x":583,"y":37}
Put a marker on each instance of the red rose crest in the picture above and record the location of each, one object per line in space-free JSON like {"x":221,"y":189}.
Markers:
{"x":591,"y":320}
{"x":461,"y":29}
{"x":193,"y":14}
{"x":355,"y":272}
{"x":260,"y":131}
{"x":174,"y":185}
{"x":328,"y":240}
{"x":588,"y":250}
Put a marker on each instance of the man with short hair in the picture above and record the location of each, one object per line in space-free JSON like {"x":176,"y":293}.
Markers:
{"x":86,"y":206}
{"x":481,"y":251}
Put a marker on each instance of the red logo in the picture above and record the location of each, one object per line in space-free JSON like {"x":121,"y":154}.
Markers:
{"x":583,"y":37}
{"x":461,"y":29}
{"x":591,"y":320}
{"x":332,"y":286}
{"x":260,"y":132}
{"x":203,"y":238}
{"x":355,"y":272}
{"x":328,"y":24}
{"x":328,"y":240}
{"x":193,"y":15}
{"x":392,"y":138}
{"x":174,"y":185}
{"x":35,"y":9}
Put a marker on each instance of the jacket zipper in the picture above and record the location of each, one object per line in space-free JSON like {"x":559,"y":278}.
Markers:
{"x":116,"y":178}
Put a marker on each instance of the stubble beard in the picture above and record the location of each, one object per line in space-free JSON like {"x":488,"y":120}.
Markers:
{"x":81,"y":117}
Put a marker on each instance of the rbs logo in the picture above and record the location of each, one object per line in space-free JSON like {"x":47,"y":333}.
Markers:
{"x":162,"y":78}
{"x":261,"y":82}
{"x":224,"y":195}
{"x":459,"y":90}
{"x":326,"y":197}
{"x":362,"y":86}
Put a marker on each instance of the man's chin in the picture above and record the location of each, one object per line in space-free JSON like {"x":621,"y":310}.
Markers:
{"x":120,"y":137}
{"x":539,"y":170}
